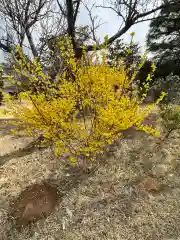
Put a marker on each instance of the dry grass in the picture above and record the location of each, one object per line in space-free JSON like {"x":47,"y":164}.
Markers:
{"x":113,"y":202}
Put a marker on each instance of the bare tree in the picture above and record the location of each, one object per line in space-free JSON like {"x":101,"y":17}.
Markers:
{"x":95,"y":21}
{"x":19,"y":18}
{"x":130,"y":13}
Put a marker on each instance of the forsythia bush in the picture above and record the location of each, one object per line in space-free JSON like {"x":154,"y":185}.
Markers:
{"x":88,"y":113}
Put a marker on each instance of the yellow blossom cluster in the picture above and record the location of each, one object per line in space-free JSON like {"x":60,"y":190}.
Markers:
{"x":89,"y":113}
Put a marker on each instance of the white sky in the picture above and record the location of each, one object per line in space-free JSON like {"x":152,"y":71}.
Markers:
{"x":111,"y":25}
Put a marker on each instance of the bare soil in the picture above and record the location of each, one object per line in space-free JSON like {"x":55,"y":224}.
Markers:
{"x":34,"y":203}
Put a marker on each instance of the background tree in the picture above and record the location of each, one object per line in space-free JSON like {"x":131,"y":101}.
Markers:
{"x":130,"y":12}
{"x":132,"y":57}
{"x":31,"y":25}
{"x":53,"y":60}
{"x":22,"y":18}
{"x":164,"y":42}
{"x":129,"y":52}
{"x":20,"y":21}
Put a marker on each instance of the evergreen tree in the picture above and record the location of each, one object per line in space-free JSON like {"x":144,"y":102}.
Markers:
{"x":130,"y":53}
{"x":164,"y":40}
{"x":132,"y":57}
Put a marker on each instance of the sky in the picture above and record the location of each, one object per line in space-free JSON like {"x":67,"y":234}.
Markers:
{"x":111,"y":25}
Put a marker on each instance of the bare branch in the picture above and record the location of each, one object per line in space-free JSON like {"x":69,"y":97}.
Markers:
{"x":120,"y":32}
{"x":5,"y":47}
{"x":61,"y":8}
{"x":113,"y":9}
{"x":94,"y":26}
{"x":22,"y":16}
{"x":76,"y":11}
{"x":117,"y":11}
{"x":133,"y":16}
{"x":145,"y":20}
{"x":147,"y":13}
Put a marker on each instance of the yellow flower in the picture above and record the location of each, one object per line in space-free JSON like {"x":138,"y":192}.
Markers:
{"x":153,"y":67}
{"x":84,"y":115}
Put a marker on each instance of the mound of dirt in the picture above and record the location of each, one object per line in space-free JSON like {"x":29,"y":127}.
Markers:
{"x":36,"y":202}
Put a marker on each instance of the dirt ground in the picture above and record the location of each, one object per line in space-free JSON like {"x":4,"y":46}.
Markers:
{"x":132,"y":193}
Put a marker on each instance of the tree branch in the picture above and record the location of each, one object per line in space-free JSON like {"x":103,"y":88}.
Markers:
{"x":130,"y":21}
{"x":113,"y":9}
{"x":70,"y":20}
{"x":61,"y":8}
{"x":155,"y":10}
{"x":93,"y":22}
{"x":31,"y":43}
{"x":120,"y":32}
{"x":5,"y":47}
{"x":144,"y":20}
{"x":76,"y":11}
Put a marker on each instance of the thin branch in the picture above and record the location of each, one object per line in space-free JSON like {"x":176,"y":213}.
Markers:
{"x":5,"y":47}
{"x":153,"y":11}
{"x":130,"y":21}
{"x":145,"y":20}
{"x":94,"y":26}
{"x":36,"y":13}
{"x":76,"y":11}
{"x":113,"y":9}
{"x":61,"y":8}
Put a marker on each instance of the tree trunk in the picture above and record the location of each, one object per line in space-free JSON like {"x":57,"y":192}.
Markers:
{"x":70,"y":18}
{"x":31,"y":43}
{"x":1,"y":95}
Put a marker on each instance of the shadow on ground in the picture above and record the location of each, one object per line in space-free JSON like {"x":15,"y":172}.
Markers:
{"x":5,"y":128}
{"x":29,"y":149}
